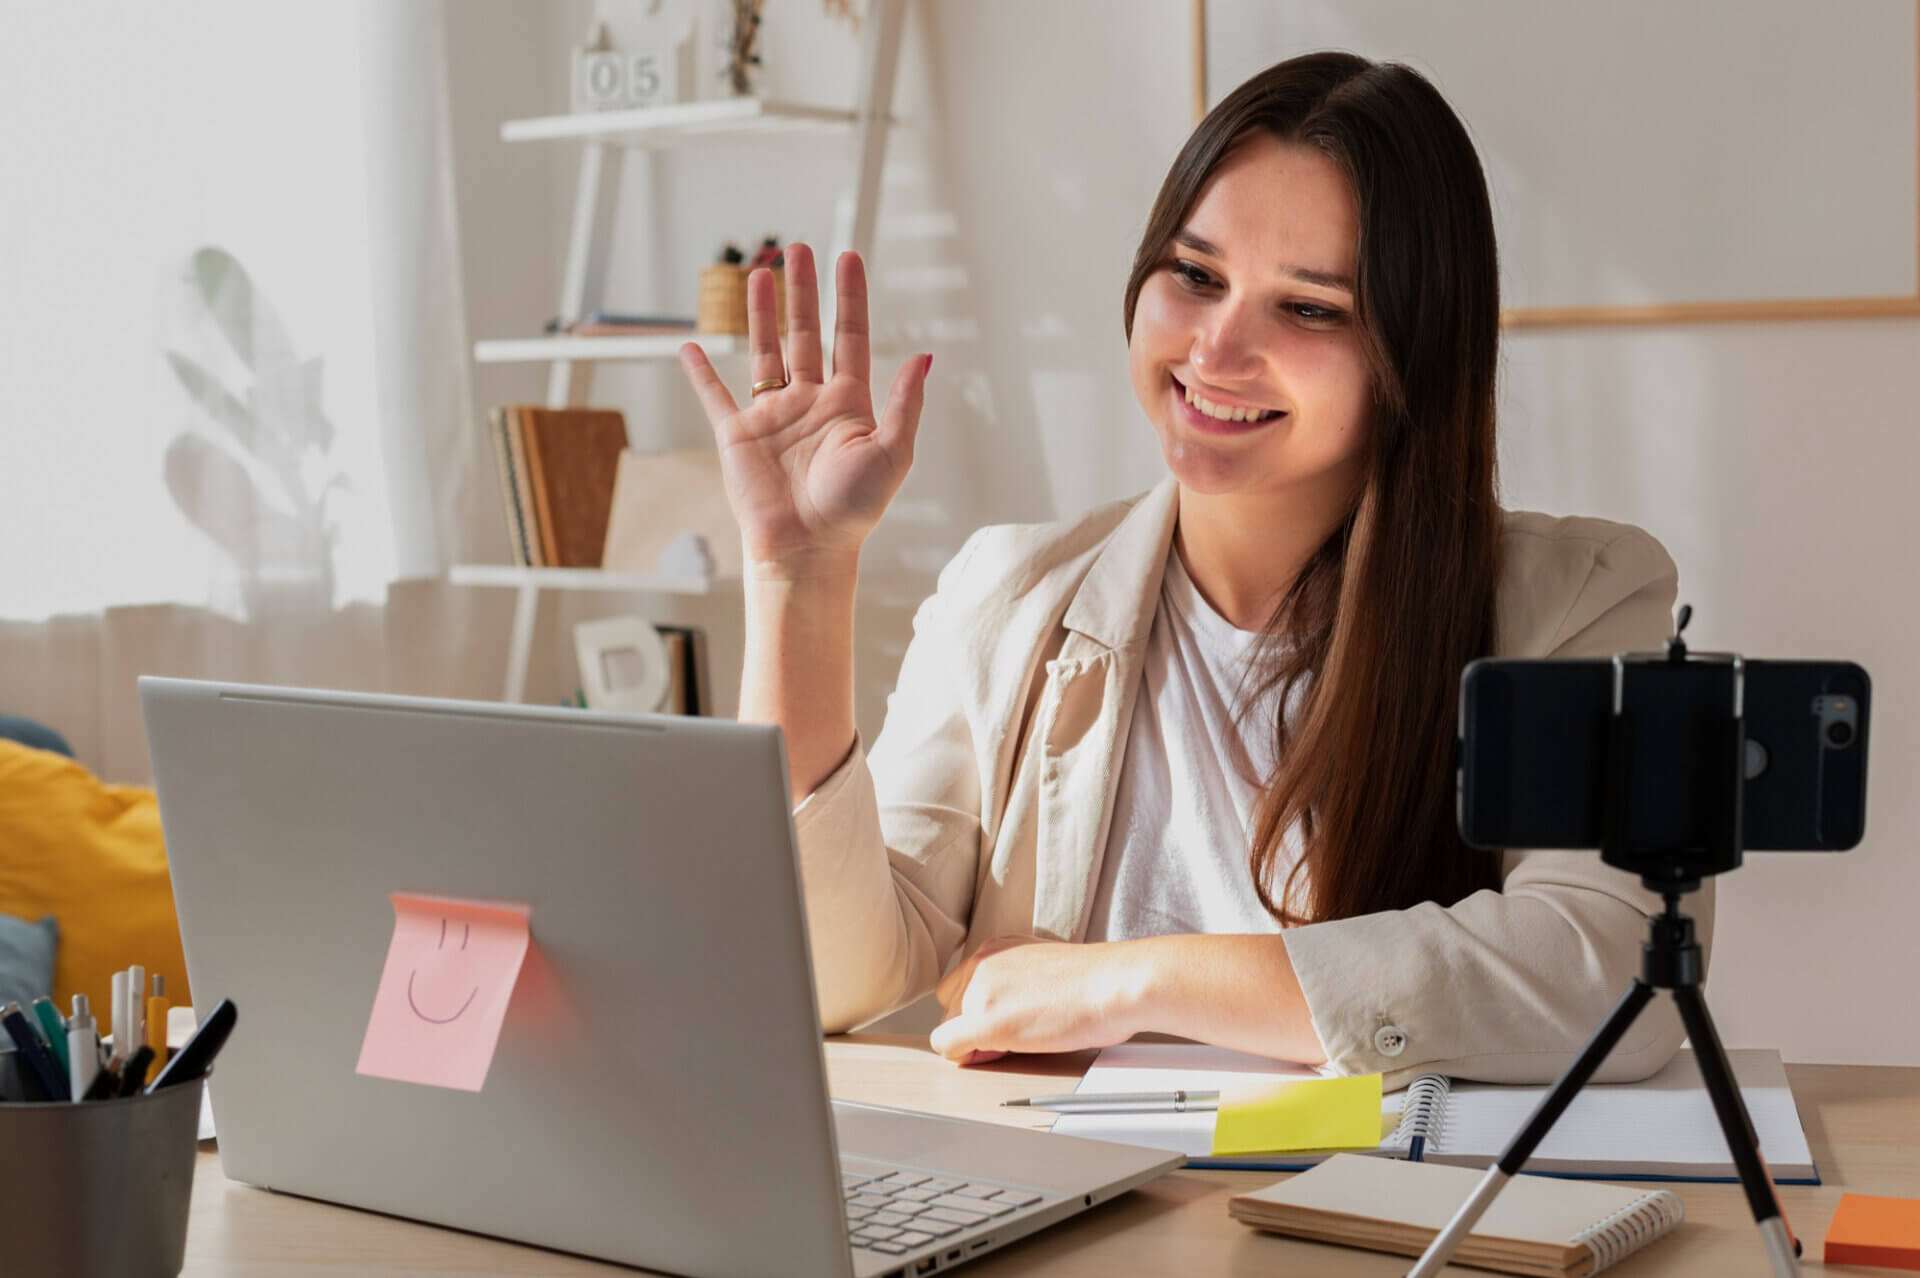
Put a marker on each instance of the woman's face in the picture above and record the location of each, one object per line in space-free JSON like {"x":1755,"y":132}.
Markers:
{"x":1244,"y":352}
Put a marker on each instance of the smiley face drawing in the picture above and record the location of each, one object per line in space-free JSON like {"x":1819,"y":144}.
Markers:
{"x":466,"y":934}
{"x":444,"y":989}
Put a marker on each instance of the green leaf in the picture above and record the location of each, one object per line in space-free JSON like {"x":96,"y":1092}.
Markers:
{"x":225,"y":291}
{"x":219,"y":495}
{"x":240,"y":421}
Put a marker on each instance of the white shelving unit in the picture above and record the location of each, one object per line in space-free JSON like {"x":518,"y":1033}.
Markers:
{"x":519,"y":576}
{"x":608,"y":135}
{"x":537,"y":350}
{"x":646,"y":128}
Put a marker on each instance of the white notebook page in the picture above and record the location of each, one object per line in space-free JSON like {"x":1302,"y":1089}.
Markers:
{"x":1663,"y":1125}
{"x":1167,"y":1067}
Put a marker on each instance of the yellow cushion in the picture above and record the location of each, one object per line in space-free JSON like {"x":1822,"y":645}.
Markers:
{"x":92,"y":856}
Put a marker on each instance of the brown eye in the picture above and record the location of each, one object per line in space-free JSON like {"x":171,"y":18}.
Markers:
{"x":1192,"y":276}
{"x":1312,"y":314}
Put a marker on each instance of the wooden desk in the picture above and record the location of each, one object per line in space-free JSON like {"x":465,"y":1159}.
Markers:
{"x":1862,"y":1122}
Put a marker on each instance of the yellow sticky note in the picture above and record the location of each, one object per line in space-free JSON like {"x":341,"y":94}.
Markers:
{"x":1308,"y":1113}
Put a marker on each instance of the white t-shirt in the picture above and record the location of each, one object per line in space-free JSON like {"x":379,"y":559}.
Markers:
{"x":1177,"y":849}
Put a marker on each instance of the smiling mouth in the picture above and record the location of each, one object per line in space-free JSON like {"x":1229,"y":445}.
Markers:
{"x":1221,"y":416}
{"x":437,"y":1020}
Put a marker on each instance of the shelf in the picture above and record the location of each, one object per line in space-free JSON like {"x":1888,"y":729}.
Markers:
{"x":664,"y":126}
{"x":605,"y":137}
{"x":576,"y":579}
{"x":641,"y":346}
{"x":536,"y":350}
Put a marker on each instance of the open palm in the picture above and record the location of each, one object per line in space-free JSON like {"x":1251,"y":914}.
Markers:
{"x":808,"y":467}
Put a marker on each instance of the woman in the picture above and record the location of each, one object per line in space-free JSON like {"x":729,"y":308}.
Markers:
{"x":1186,"y":764}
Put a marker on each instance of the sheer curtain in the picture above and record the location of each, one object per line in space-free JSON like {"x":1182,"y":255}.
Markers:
{"x":234,"y":404}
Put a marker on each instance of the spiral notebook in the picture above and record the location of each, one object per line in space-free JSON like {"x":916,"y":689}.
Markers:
{"x":1661,"y":1128}
{"x":1538,"y":1225}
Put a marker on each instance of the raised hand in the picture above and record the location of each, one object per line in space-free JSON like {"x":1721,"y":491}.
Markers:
{"x":808,"y":467}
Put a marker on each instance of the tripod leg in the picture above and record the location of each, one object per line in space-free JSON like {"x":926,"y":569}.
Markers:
{"x":1441,"y":1249}
{"x":1717,"y":1073}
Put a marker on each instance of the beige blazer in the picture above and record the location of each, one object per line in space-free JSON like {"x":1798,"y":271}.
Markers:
{"x":982,"y":808}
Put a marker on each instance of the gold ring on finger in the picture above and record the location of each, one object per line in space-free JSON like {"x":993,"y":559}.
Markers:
{"x":769,"y":383}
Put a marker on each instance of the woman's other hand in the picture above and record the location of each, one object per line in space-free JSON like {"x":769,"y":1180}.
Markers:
{"x":1021,"y":994}
{"x":808,"y":467}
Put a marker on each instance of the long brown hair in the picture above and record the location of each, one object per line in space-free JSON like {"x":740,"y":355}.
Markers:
{"x":1374,"y":631}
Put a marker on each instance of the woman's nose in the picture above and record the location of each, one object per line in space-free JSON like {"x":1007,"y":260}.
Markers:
{"x":1226,"y":349}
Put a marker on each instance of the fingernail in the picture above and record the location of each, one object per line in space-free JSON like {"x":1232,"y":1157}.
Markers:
{"x":928,"y":366}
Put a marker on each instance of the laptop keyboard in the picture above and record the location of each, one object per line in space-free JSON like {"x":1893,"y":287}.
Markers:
{"x":899,"y":1211}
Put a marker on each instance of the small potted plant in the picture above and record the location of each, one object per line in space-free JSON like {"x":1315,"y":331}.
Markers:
{"x":723,"y":288}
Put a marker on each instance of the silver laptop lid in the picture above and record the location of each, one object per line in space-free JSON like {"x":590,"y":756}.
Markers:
{"x":660,"y":1064}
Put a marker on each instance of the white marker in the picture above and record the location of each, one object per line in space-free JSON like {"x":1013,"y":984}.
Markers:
{"x":83,"y":1048}
{"x":136,"y":1012}
{"x":119,"y":1012}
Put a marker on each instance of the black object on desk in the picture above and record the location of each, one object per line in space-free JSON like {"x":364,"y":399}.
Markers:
{"x":196,"y":1058}
{"x":1672,"y":958}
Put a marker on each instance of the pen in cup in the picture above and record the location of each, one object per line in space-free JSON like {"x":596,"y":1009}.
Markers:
{"x":157,"y":1006}
{"x":118,"y":1024}
{"x":196,"y":1056}
{"x":106,"y":1083}
{"x":52,"y":1029}
{"x":83,"y":1049}
{"x":1121,"y":1102}
{"x":135,"y":1071}
{"x":136,"y":1010}
{"x":36,"y":1062}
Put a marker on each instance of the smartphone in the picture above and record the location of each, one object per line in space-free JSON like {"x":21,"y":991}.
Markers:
{"x":1536,"y":742}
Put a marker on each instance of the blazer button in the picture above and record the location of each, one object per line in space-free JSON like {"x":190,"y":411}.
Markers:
{"x":1390,"y":1040}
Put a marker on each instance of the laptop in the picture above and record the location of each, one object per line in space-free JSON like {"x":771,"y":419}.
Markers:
{"x":658,"y":1094}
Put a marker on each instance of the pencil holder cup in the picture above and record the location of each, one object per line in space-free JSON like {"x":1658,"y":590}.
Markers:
{"x":99,"y":1188}
{"x":723,"y":300}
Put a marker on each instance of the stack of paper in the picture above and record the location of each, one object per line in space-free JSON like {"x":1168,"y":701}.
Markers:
{"x":1662,"y":1127}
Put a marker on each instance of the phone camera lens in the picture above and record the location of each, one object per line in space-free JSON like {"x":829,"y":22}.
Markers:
{"x":1839,"y":733}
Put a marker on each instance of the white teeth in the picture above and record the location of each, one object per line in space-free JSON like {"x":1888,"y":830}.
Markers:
{"x":1223,"y":412}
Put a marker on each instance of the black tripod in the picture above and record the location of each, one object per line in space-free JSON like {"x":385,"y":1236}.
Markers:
{"x":1670,"y":960}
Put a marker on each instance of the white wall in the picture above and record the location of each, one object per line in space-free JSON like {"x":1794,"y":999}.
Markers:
{"x":1776,"y":463}
{"x":1772,"y":459}
{"x":1644,"y":151}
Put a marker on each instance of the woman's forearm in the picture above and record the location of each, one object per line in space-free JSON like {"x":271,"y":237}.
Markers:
{"x":1235,"y":991}
{"x":798,"y":666}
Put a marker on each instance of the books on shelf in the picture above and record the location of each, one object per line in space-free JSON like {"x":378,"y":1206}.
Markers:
{"x":1536,"y":1226}
{"x":631,"y":664}
{"x":502,"y":436}
{"x":1662,"y":1127}
{"x":689,"y":689}
{"x":557,"y":470}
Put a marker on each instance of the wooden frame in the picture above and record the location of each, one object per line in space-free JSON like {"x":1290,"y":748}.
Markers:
{"x":1660,"y":312}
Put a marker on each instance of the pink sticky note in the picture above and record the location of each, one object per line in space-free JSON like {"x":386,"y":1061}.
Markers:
{"x":450,"y":974}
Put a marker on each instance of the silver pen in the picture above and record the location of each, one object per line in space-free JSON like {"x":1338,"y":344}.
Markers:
{"x":1122,"y":1102}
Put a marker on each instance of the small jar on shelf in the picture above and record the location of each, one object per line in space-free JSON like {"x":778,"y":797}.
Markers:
{"x":723,"y":289}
